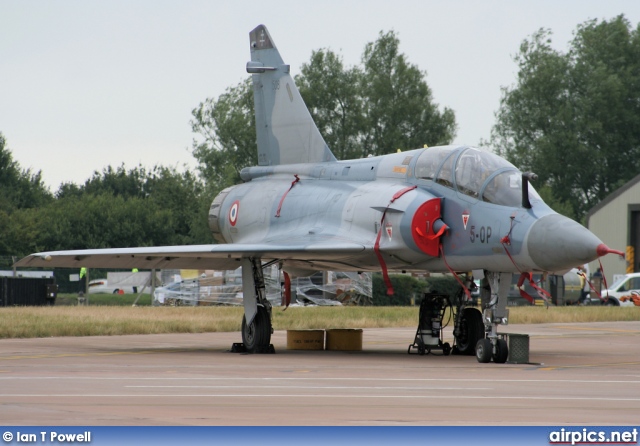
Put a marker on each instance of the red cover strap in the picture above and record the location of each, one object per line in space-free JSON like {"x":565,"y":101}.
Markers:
{"x":293,"y":183}
{"x":287,"y":290}
{"x":376,"y":246}
{"x":466,"y":290}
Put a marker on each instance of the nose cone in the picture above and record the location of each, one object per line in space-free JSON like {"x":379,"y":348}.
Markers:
{"x":558,"y":243}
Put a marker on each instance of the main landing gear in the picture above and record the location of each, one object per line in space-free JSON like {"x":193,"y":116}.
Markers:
{"x":468,"y":330}
{"x":256,"y":322}
{"x":256,"y":336}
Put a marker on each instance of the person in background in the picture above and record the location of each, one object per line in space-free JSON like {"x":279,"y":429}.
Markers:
{"x":83,"y":273}
{"x":584,"y":286}
{"x":135,"y":288}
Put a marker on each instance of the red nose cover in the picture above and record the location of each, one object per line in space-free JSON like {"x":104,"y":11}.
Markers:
{"x":422,"y":227}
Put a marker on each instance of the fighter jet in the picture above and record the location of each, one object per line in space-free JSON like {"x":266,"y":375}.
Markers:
{"x":438,"y":209}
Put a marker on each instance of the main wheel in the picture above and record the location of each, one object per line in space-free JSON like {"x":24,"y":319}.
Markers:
{"x":483,"y":350}
{"x":471,"y":330}
{"x":257,"y":334}
{"x":502,"y":352}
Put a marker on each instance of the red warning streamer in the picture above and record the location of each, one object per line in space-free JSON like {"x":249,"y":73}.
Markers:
{"x":464,"y":287}
{"x":506,"y":241}
{"x":293,"y":183}
{"x":287,"y":290}
{"x":376,"y":247}
{"x":525,"y":275}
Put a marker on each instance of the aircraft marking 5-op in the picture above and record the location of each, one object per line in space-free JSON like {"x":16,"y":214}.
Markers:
{"x":438,"y":209}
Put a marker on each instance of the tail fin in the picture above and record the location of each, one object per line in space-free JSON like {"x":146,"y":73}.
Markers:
{"x":285,"y":131}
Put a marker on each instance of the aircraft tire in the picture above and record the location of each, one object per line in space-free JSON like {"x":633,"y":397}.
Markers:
{"x":257,"y":335}
{"x":472,"y":330}
{"x":502,"y":352}
{"x":483,"y":350}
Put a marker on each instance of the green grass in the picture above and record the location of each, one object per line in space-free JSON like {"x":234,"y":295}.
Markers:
{"x":102,"y":320}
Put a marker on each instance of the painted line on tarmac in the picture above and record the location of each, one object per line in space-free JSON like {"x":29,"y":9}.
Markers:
{"x":332,"y":396}
{"x":319,"y":379}
{"x":613,"y":330}
{"x":314,"y":387}
{"x":112,"y":353}
{"x":585,"y":366}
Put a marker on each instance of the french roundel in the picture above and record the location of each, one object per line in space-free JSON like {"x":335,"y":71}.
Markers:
{"x":233,"y":212}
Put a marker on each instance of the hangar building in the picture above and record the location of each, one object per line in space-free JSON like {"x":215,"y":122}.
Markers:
{"x":616,"y":221}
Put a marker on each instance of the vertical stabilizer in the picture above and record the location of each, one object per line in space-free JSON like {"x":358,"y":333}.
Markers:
{"x":285,"y":131}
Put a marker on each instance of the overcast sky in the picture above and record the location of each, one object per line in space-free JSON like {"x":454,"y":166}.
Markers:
{"x":87,"y":84}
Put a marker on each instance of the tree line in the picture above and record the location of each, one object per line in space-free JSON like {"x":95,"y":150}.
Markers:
{"x":116,"y":207}
{"x":572,"y":117}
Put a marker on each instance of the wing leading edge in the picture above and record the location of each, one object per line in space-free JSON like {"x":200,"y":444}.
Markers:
{"x":221,"y":257}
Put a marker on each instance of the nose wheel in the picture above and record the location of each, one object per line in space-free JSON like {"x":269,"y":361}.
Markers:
{"x":487,"y":350}
{"x":483,"y":350}
{"x":501,"y":352}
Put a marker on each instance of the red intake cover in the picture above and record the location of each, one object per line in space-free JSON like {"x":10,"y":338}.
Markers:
{"x":422,"y":227}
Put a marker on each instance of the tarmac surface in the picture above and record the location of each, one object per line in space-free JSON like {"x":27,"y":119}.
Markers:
{"x":577,"y":374}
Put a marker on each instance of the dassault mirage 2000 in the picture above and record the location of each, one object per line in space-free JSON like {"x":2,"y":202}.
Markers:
{"x":435,"y":209}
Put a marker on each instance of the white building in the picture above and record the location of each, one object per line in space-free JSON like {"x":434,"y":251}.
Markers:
{"x":616,"y":221}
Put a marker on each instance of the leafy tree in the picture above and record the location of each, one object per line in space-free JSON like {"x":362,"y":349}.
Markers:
{"x":186,"y":197}
{"x":332,"y":94}
{"x":404,"y":289}
{"x":228,"y":130}
{"x":118,"y":182}
{"x":22,"y":194}
{"x":19,"y":188}
{"x":105,"y":221}
{"x":574,"y":117}
{"x":445,"y":284}
{"x":19,"y":233}
{"x":407,"y":287}
{"x":399,"y":112}
{"x":121,"y":208}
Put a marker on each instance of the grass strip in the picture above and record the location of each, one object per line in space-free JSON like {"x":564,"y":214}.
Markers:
{"x":30,"y":322}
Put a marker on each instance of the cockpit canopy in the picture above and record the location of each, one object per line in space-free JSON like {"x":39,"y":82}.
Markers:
{"x":475,"y":173}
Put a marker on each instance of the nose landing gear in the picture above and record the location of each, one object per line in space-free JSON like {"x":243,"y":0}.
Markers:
{"x":492,"y":345}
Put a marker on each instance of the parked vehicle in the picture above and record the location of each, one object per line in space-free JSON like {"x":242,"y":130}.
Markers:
{"x":563,"y":290}
{"x":625,"y":292}
{"x":101,"y":286}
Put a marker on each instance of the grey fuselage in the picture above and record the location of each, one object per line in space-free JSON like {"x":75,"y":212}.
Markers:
{"x":344,"y":201}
